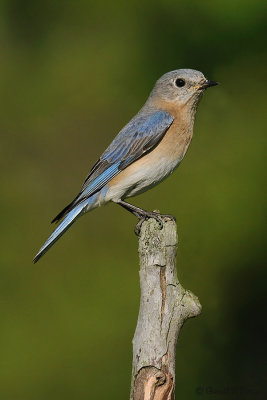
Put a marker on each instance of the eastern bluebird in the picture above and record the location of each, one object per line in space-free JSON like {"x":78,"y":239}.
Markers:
{"x":145,"y":151}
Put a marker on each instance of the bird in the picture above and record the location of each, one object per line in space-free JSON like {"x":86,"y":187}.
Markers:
{"x":145,"y":152}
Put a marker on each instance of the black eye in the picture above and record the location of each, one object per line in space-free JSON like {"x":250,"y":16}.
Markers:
{"x":179,"y":82}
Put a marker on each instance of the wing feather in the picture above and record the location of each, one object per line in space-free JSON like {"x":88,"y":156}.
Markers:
{"x":136,"y":139}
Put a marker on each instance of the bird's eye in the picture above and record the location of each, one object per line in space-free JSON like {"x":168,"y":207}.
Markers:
{"x":179,"y":82}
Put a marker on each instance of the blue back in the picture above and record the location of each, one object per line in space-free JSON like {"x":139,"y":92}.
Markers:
{"x":137,"y":138}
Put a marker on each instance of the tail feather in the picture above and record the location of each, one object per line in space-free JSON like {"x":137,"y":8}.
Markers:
{"x":62,"y":213}
{"x":61,"y":229}
{"x":65,"y":211}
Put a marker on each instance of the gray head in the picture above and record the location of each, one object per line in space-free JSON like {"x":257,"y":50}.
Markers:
{"x":181,"y":86}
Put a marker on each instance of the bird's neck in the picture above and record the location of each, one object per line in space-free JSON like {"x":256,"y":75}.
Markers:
{"x":184,"y":115}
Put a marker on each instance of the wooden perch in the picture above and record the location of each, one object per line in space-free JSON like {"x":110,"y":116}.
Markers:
{"x":164,"y":306}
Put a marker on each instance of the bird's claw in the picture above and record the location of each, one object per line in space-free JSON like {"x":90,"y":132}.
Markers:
{"x":137,"y":227}
{"x":157,"y":216}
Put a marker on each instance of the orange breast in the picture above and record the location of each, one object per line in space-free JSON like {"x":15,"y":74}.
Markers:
{"x":171,"y":148}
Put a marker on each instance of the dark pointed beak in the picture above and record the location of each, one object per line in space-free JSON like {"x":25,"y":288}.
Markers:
{"x":208,"y":84}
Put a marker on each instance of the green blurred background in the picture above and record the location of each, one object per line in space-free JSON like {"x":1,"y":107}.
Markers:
{"x":72,"y":73}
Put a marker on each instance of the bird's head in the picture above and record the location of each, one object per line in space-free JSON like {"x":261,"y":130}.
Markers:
{"x":182,"y":86}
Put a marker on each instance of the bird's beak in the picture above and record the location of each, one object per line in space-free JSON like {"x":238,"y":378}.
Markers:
{"x":208,"y":84}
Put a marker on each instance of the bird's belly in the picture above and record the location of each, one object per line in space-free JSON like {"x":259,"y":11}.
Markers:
{"x":153,"y":167}
{"x":152,"y":175}
{"x":139,"y":177}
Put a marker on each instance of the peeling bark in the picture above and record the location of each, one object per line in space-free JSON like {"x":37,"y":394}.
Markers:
{"x":164,"y":306}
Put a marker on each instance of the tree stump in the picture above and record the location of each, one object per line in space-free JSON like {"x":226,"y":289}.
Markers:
{"x":164,"y":306}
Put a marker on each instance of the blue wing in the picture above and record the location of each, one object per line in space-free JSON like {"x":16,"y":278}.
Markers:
{"x":136,"y":139}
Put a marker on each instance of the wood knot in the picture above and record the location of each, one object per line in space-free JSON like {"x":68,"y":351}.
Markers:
{"x":153,"y":384}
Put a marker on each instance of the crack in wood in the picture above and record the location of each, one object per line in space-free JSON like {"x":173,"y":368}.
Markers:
{"x":163,"y":291}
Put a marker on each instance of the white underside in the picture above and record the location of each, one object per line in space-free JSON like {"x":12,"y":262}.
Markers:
{"x":141,"y":180}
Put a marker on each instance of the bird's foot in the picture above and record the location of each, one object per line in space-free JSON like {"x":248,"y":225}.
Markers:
{"x":152,"y":214}
{"x":137,"y":227}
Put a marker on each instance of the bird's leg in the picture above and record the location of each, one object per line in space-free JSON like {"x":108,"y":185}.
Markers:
{"x":143,"y":215}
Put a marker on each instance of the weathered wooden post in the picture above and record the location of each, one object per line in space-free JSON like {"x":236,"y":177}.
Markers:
{"x":164,"y":306}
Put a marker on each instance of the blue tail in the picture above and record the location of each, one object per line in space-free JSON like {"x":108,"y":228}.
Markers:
{"x":62,"y":227}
